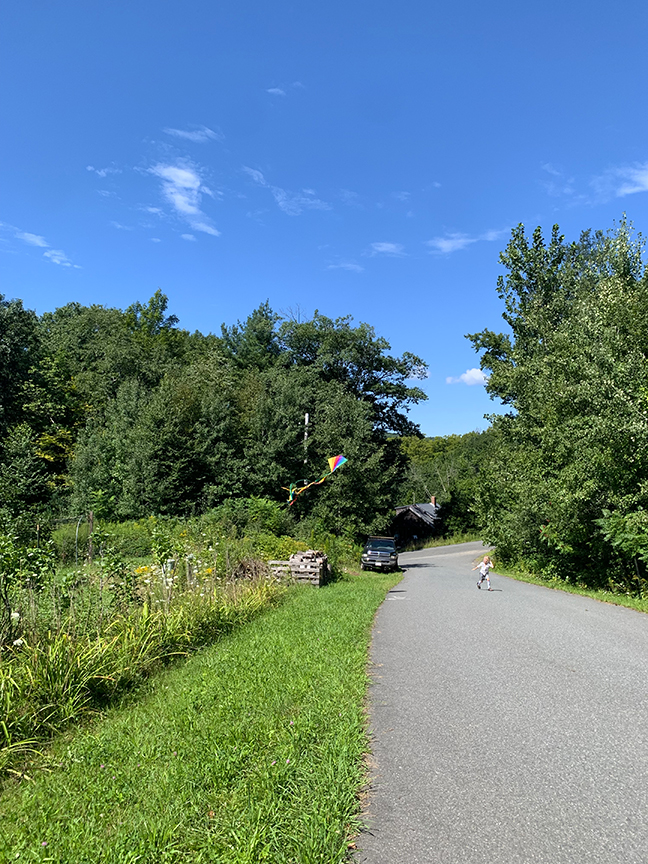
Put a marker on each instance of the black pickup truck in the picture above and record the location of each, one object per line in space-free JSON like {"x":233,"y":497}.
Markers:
{"x":379,"y":553}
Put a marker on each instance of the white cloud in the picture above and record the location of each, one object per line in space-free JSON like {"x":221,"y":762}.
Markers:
{"x":450,"y":243}
{"x":351,"y":199}
{"x":346,"y":265}
{"x":32,"y":239}
{"x":183,"y":188}
{"x":617,"y":182}
{"x":188,"y":237}
{"x":103,"y":172}
{"x":257,"y":176}
{"x":453,"y":242}
{"x":559,"y":186}
{"x":180,"y":186}
{"x":492,"y":235}
{"x":206,"y":228}
{"x":391,"y":249}
{"x":56,"y":256}
{"x":276,"y":91}
{"x":199,"y":136}
{"x":401,"y":196}
{"x":469,"y":377}
{"x":635,"y":180}
{"x":121,"y":227}
{"x":155,"y":240}
{"x":291,"y":203}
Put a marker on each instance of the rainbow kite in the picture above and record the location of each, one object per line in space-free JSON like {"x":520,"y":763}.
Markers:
{"x":295,"y":489}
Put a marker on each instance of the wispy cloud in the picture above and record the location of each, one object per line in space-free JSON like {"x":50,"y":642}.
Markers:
{"x":32,"y":239}
{"x":120,"y":227}
{"x":559,"y":185}
{"x":393,"y":250}
{"x":351,"y":199}
{"x":200,"y":135}
{"x":401,"y":196}
{"x":455,"y":241}
{"x":155,"y":240}
{"x":621,"y":181}
{"x":469,"y":377}
{"x":56,"y":256}
{"x":346,"y":265}
{"x":450,"y":243}
{"x":103,"y":172}
{"x":291,"y":203}
{"x":549,"y":168}
{"x":189,"y":237}
{"x":183,"y":188}
{"x":283,"y":90}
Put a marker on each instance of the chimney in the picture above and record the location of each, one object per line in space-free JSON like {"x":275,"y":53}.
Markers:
{"x":433,"y":501}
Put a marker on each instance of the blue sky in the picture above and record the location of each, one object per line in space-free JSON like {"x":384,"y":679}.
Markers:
{"x":357,"y":158}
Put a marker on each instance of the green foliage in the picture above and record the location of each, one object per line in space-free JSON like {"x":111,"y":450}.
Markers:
{"x":251,"y":752}
{"x":24,"y":485}
{"x":130,"y":539}
{"x":125,"y":415}
{"x":20,"y":566}
{"x":18,"y":349}
{"x":449,"y":469}
{"x":573,"y":371}
{"x":46,"y":684}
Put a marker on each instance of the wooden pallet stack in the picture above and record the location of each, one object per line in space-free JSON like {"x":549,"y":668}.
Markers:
{"x":312,"y":567}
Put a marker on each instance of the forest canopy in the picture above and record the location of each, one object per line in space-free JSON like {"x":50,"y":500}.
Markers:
{"x":125,"y":413}
{"x":565,"y":484}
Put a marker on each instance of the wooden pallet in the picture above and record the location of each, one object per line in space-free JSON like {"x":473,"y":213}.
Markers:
{"x":309,"y":567}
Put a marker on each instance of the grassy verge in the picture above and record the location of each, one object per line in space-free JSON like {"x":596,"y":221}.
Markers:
{"x":632,"y":602}
{"x":61,"y":678}
{"x":249,"y":752}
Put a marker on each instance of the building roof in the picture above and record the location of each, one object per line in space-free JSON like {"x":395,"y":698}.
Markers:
{"x":425,"y":512}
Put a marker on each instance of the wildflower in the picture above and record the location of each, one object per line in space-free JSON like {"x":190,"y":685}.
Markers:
{"x":287,"y":761}
{"x":274,"y":762}
{"x":292,"y":723}
{"x":18,"y":642}
{"x":15,"y":616}
{"x":44,"y":843}
{"x":102,"y":766}
{"x":175,"y":752}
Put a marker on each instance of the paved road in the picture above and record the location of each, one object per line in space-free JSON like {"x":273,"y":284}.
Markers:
{"x":509,"y":726}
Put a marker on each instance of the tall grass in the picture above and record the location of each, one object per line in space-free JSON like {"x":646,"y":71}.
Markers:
{"x":58,"y":679}
{"x":80,"y":635}
{"x":249,"y":752}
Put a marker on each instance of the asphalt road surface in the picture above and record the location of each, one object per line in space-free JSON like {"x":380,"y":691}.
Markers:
{"x":508,"y":726}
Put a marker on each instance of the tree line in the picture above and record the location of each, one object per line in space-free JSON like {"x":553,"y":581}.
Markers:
{"x":124,"y":413}
{"x":565,"y":485}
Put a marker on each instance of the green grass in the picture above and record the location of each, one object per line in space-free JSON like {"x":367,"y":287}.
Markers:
{"x":250,"y":751}
{"x":640,"y":604}
{"x":61,"y":677}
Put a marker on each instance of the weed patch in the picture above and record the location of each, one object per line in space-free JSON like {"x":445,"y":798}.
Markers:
{"x":250,"y":751}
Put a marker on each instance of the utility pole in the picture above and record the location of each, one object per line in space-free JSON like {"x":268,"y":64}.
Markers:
{"x":306,"y":418}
